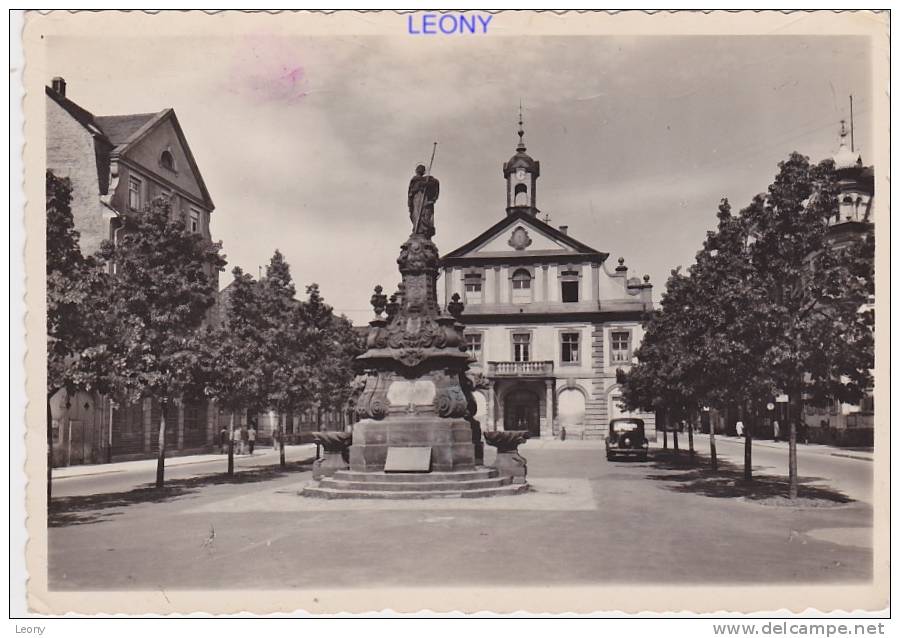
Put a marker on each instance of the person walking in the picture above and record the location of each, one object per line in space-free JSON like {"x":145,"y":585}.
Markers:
{"x":236,"y":440}
{"x":739,"y":428}
{"x":223,"y":439}
{"x":251,"y":438}
{"x":776,"y":430}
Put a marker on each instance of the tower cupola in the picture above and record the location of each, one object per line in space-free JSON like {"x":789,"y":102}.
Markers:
{"x":521,"y":173}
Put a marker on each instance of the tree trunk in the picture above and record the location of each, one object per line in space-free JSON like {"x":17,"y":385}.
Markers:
{"x":665,"y":424}
{"x":49,"y":450}
{"x":748,"y":444}
{"x":161,"y":459}
{"x":793,"y":481}
{"x":675,"y":438}
{"x":231,"y":445}
{"x":691,"y":439}
{"x":713,"y":460}
{"x":281,"y":459}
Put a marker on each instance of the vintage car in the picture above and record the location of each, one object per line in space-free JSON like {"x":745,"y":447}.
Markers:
{"x":626,"y":438}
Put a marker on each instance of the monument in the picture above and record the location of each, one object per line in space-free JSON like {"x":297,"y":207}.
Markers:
{"x":414,"y":437}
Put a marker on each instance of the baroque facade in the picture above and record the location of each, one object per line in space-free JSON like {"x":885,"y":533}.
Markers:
{"x":548,"y":320}
{"x":116,"y":165}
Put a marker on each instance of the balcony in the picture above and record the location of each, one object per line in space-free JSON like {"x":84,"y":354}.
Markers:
{"x":533,"y":369}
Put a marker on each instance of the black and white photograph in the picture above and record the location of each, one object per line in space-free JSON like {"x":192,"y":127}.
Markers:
{"x":418,"y":310}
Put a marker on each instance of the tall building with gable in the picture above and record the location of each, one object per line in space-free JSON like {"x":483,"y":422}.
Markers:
{"x":548,"y":320}
{"x":116,"y":165}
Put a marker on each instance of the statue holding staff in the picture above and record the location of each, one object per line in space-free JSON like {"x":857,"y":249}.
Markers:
{"x":423,"y":193}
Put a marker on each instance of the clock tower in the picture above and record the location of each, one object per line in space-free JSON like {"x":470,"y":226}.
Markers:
{"x":521,"y":173}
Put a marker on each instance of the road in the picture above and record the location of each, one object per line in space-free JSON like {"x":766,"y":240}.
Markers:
{"x":841,"y":470}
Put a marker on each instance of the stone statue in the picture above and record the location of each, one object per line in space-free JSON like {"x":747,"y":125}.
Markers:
{"x":423,"y":193}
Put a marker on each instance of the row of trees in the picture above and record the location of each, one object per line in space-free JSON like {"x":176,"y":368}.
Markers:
{"x":771,"y":306}
{"x":142,"y":330}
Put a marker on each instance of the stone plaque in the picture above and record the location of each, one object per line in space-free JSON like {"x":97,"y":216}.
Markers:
{"x":408,"y":459}
{"x":419,"y":392}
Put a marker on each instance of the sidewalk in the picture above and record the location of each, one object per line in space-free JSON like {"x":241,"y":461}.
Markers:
{"x":261,"y":456}
{"x":816,"y":448}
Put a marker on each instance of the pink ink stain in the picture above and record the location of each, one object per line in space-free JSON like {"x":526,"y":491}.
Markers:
{"x":268,"y":72}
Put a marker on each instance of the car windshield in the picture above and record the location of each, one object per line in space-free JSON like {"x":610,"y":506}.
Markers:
{"x":625,"y":426}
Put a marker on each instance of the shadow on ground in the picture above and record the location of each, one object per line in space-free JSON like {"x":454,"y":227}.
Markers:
{"x":94,"y":508}
{"x":683,"y":473}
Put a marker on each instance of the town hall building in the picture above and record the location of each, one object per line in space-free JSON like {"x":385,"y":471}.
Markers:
{"x":549,"y":320}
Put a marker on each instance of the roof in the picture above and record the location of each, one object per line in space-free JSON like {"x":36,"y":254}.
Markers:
{"x":120,"y":132}
{"x":520,"y":215}
{"x":119,"y":129}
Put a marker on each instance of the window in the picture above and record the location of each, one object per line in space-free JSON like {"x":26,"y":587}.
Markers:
{"x":621,"y":346}
{"x":473,"y":345}
{"x":167,"y":161}
{"x":195,"y":220}
{"x":570,"y":291}
{"x":134,"y":193}
{"x":473,"y":288}
{"x":569,"y":347}
{"x":522,"y":346}
{"x":569,"y":286}
{"x":521,"y":195}
{"x":521,"y":286}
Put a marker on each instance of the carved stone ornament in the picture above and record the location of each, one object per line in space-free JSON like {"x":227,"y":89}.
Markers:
{"x":520,"y":239}
{"x":450,"y":402}
{"x":411,"y":357}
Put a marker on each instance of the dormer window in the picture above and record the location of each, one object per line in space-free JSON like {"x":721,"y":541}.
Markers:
{"x":521,"y":286}
{"x":167,"y":160}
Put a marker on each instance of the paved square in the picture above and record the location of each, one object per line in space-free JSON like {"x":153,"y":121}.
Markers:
{"x":588,"y":521}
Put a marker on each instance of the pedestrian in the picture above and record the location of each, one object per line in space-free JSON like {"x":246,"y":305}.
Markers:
{"x":236,"y":440}
{"x":251,"y":438}
{"x":223,"y":439}
{"x":739,"y":428}
{"x":776,"y":430}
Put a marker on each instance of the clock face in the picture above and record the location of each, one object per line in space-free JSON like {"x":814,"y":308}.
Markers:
{"x":520,"y":174}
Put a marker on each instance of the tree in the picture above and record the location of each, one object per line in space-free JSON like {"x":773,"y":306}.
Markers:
{"x":77,"y":326}
{"x":235,"y":371}
{"x":818,"y":341}
{"x":286,"y":345}
{"x":162,"y":288}
{"x":333,"y":345}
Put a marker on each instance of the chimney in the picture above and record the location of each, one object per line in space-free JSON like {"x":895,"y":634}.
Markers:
{"x":59,"y":85}
{"x":564,"y":230}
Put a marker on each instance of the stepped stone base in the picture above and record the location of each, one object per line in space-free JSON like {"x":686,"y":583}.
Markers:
{"x":473,"y":483}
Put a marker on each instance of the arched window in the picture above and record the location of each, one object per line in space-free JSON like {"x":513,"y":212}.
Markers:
{"x":521,"y":195}
{"x":167,"y":161}
{"x":521,"y":286}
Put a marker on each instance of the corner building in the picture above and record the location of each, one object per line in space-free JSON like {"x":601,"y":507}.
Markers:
{"x":548,"y":320}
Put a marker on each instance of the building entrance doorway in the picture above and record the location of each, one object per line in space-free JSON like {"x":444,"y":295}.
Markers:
{"x":521,"y":411}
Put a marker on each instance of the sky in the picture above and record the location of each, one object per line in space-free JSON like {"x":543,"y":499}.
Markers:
{"x":307,"y":143}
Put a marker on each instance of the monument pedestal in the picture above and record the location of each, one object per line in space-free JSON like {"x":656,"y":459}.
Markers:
{"x":450,"y":441}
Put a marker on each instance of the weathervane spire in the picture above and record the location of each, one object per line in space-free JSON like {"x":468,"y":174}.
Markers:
{"x":521,"y":146}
